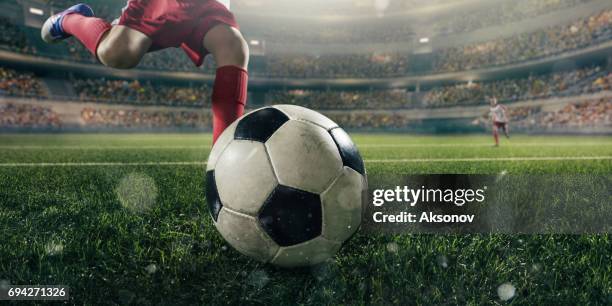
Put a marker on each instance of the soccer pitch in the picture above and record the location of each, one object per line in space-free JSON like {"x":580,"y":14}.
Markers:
{"x":66,"y":218}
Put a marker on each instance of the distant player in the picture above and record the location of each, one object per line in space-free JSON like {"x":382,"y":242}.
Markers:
{"x":198,"y":27}
{"x":499,"y":118}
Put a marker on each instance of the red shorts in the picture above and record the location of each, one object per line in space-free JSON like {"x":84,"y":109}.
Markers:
{"x":500,"y":124}
{"x":176,"y":23}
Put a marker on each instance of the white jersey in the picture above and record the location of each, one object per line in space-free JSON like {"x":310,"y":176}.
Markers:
{"x":225,"y":2}
{"x":498,"y":113}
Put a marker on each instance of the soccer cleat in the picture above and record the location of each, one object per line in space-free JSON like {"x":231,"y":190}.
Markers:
{"x":52,"y":30}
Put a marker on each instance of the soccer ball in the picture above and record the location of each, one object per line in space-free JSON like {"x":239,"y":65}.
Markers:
{"x":285,"y":185}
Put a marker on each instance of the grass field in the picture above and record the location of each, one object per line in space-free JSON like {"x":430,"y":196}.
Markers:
{"x":62,"y":221}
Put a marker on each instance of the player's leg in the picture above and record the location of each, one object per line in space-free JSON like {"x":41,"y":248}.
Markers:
{"x":123,"y":47}
{"x":114,"y":46}
{"x":495,"y":134}
{"x":231,"y":53}
{"x":506,"y":130}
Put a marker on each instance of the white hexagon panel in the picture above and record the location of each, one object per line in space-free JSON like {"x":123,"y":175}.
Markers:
{"x":244,"y":176}
{"x":342,"y":205}
{"x":243,"y":233}
{"x":304,"y":156}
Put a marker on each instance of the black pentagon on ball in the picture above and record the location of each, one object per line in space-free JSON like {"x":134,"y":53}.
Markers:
{"x":348,"y":151}
{"x":291,"y":216}
{"x":260,"y":125}
{"x":212,"y":195}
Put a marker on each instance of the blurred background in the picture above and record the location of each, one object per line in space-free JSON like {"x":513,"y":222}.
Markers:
{"x":371,"y":65}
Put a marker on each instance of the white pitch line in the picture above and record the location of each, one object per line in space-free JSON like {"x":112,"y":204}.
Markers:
{"x":102,"y":164}
{"x":103,"y":147}
{"x":368,"y":145}
{"x":479,"y":159}
{"x":368,"y":161}
{"x":517,"y":144}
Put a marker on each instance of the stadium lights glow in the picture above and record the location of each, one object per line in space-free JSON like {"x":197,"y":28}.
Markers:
{"x":424,"y":40}
{"x":36,"y":11}
{"x":254,"y":42}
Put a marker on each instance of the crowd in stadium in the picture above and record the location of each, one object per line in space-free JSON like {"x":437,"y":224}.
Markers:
{"x":507,"y":50}
{"x":336,"y":66}
{"x":175,"y":60}
{"x":396,"y":30}
{"x":370,"y":120}
{"x":11,"y":37}
{"x":13,"y":83}
{"x":28,"y":116}
{"x":520,"y":47}
{"x":135,"y":92}
{"x":526,"y":46}
{"x":105,"y":9}
{"x":517,"y":48}
{"x":369,"y":29}
{"x":573,"y":82}
{"x":502,"y":12}
{"x":334,"y":99}
{"x":351,"y":32}
{"x":134,"y":118}
{"x":579,"y":114}
{"x":590,"y":113}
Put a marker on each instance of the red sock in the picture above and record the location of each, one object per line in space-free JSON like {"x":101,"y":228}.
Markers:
{"x":228,"y":97}
{"x":496,"y":136}
{"x":88,"y":30}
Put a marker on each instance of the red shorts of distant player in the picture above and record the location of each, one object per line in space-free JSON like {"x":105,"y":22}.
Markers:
{"x":176,"y":23}
{"x":500,"y":124}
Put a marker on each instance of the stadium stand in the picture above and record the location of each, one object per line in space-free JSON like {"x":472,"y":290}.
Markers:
{"x":581,"y":33}
{"x":13,"y":83}
{"x":580,"y":114}
{"x":574,"y":82}
{"x":504,"y":12}
{"x":371,"y":121}
{"x":12,"y":38}
{"x":106,"y":9}
{"x":28,"y":116}
{"x":134,"y":92}
{"x":116,"y":101}
{"x":134,"y":118}
{"x":591,"y":113}
{"x":335,"y":99}
{"x":365,"y":24}
{"x":124,"y":91}
{"x":336,"y":66}
{"x":526,"y":46}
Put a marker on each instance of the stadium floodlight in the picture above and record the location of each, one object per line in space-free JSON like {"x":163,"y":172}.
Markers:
{"x":424,"y":40}
{"x":254,"y":42}
{"x":36,"y":11}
